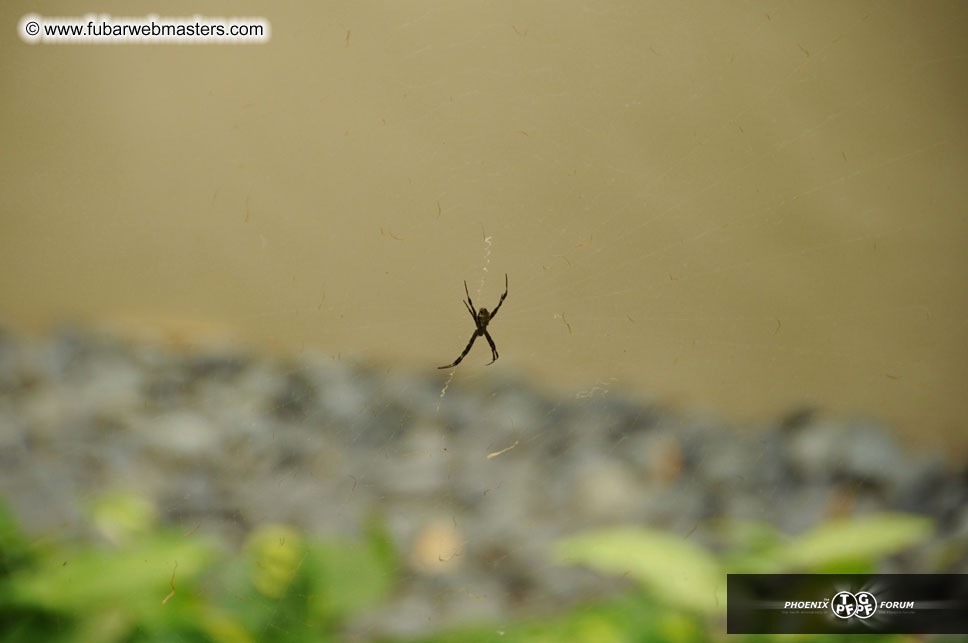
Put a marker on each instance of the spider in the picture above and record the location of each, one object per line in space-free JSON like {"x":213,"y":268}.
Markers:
{"x":481,"y":319}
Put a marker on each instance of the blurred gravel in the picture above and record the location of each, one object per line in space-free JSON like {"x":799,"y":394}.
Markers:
{"x":229,"y":440}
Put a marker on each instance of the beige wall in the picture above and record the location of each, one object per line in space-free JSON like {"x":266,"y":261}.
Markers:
{"x":742,"y":208}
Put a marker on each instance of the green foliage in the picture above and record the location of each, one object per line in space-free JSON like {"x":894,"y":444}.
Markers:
{"x":626,"y":619}
{"x":853,"y":545}
{"x":683,"y":586}
{"x":690,"y":578}
{"x":144,"y":583}
{"x":139,"y":581}
{"x":109,"y":591}
{"x":847,"y":546}
{"x":683,"y":573}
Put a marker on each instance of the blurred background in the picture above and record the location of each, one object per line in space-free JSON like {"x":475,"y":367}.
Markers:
{"x":717,"y":220}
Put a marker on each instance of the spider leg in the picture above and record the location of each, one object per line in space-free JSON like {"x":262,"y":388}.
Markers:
{"x":494,"y":312}
{"x":469,"y":299}
{"x":470,"y":309}
{"x":490,"y":341}
{"x":466,"y":351}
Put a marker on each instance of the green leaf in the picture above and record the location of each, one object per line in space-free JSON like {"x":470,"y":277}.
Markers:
{"x":276,"y":553}
{"x":347,"y":577}
{"x":679,"y":572}
{"x":134,"y":579}
{"x":865,"y":539}
{"x":121,"y":516}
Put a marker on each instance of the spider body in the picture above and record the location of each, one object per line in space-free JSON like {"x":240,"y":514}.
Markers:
{"x":481,"y":319}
